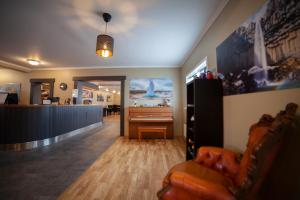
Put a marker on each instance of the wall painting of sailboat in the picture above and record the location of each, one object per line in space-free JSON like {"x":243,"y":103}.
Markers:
{"x":151,"y":88}
{"x":264,"y":52}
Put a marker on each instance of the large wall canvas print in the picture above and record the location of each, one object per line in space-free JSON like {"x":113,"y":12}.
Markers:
{"x":151,"y":88}
{"x":264,"y":52}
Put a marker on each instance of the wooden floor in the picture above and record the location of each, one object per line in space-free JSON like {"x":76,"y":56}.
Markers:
{"x":128,"y":170}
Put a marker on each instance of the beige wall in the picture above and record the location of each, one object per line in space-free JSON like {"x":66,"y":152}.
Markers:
{"x":12,"y":76}
{"x":240,"y":111}
{"x":117,"y":99}
{"x":66,"y":76}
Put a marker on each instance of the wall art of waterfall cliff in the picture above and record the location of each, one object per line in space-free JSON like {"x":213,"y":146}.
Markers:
{"x":263,"y":53}
{"x":151,"y":89}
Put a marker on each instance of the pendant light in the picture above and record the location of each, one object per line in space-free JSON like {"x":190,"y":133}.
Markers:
{"x":105,"y":43}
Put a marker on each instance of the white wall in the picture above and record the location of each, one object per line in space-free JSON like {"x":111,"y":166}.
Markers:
{"x":240,"y":111}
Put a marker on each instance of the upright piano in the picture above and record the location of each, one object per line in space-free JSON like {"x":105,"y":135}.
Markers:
{"x":150,"y":116}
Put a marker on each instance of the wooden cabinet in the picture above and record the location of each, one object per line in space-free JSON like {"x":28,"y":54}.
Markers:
{"x":150,"y":116}
{"x":204,"y":115}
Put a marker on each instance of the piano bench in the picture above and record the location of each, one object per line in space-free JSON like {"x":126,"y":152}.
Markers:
{"x":152,"y":129}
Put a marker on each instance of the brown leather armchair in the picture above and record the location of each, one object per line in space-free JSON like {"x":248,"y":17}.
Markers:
{"x":220,"y":174}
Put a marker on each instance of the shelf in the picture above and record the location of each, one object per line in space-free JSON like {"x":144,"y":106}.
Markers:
{"x":204,"y":104}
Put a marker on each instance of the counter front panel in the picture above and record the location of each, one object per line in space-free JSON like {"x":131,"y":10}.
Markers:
{"x":22,"y":123}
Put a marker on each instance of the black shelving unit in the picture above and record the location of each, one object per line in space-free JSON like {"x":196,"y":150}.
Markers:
{"x":204,"y":115}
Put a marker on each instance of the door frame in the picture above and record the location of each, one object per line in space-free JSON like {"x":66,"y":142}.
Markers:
{"x":40,"y":81}
{"x":122,"y":79}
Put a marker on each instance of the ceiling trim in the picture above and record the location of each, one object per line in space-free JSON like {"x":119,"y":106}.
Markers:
{"x":210,"y":22}
{"x":101,"y":67}
{"x":14,"y":66}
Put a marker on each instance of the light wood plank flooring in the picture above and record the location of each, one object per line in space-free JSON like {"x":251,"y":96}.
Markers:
{"x":128,"y":170}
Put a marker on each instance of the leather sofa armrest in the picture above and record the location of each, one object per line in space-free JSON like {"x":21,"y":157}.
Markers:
{"x":222,"y":160}
{"x":185,"y":186}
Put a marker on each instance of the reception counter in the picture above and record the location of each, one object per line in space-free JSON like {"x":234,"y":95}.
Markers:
{"x":31,"y":126}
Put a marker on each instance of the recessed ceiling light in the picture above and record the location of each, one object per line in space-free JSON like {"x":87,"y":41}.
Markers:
{"x":106,"y":89}
{"x":114,"y":91}
{"x":33,"y":62}
{"x":118,"y":92}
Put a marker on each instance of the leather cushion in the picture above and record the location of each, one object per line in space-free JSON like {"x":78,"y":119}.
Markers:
{"x":203,"y":182}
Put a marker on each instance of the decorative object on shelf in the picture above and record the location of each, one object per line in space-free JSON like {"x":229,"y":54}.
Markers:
{"x":209,"y":75}
{"x":263,"y":53}
{"x":134,"y":103}
{"x":151,"y":89}
{"x":105,"y":43}
{"x":192,"y":118}
{"x":63,"y":86}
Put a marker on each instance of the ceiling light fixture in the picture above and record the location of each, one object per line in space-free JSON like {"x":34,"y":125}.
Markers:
{"x":107,"y":90}
{"x":114,"y":91}
{"x":33,"y":62}
{"x":105,"y":43}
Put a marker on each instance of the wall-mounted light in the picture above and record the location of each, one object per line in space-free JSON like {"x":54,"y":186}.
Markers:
{"x":105,"y":43}
{"x":33,"y":61}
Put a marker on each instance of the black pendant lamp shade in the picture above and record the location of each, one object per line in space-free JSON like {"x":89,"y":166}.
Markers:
{"x":105,"y":43}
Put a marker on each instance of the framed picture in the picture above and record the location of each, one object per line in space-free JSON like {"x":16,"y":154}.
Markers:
{"x":87,"y":94}
{"x":100,"y":97}
{"x":151,"y":88}
{"x":263,"y":53}
{"x":108,"y":98}
{"x":11,"y":88}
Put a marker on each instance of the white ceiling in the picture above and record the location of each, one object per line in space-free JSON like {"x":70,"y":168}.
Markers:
{"x":62,"y":33}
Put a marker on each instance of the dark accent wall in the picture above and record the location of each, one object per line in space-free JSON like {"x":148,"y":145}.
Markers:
{"x":19,"y":123}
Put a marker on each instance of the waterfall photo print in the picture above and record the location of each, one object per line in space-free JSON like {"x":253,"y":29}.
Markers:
{"x":151,"y":88}
{"x":263,"y":53}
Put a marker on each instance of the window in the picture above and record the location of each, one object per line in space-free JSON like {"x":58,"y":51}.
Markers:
{"x":201,"y":68}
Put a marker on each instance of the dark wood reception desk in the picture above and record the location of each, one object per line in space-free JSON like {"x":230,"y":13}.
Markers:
{"x":31,"y":126}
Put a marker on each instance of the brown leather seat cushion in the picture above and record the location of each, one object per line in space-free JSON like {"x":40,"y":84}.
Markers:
{"x":202,"y":181}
